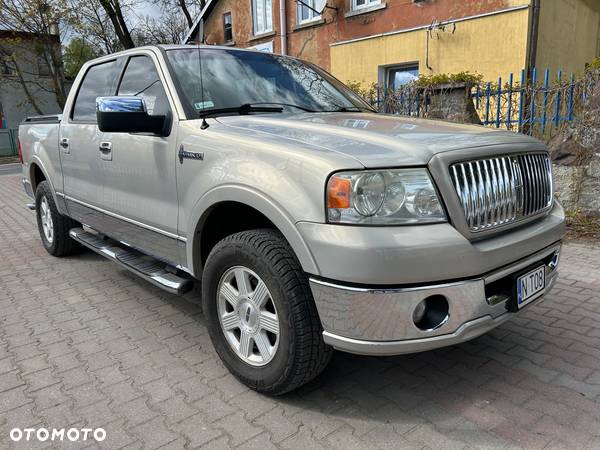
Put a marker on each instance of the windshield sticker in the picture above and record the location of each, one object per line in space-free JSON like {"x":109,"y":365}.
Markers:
{"x":203,"y":105}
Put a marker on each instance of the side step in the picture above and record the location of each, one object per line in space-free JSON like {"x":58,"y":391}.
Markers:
{"x":145,"y":266}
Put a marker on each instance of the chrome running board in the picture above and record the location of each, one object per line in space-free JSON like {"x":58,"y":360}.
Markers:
{"x":150,"y":269}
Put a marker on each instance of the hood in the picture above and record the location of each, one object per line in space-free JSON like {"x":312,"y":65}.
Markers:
{"x":376,"y":140}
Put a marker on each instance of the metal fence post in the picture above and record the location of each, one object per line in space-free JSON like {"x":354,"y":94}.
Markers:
{"x":510,"y":92}
{"x":558,"y":92}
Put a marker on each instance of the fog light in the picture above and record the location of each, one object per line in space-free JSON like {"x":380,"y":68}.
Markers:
{"x":419,"y":312}
{"x":431,"y":313}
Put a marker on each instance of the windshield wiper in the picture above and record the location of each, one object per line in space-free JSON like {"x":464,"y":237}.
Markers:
{"x":290,"y":105}
{"x":244,"y":109}
{"x":350,"y":109}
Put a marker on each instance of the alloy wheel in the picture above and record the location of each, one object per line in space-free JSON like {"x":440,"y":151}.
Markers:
{"x":248,"y":316}
{"x":46,"y":219}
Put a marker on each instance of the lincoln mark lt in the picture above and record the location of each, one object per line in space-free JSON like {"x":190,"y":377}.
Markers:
{"x":311,"y":221}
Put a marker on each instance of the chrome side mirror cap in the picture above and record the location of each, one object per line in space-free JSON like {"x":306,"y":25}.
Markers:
{"x":128,"y":114}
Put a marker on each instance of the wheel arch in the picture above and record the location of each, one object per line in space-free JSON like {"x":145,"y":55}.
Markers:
{"x":37,"y":174}
{"x":267,"y":214}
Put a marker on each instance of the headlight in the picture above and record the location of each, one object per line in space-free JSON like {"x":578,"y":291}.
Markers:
{"x":383,"y":197}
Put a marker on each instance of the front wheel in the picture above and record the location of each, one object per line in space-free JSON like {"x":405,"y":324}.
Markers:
{"x":261,"y":315}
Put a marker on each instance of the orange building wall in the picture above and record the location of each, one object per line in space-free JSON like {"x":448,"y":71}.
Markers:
{"x":313,"y":43}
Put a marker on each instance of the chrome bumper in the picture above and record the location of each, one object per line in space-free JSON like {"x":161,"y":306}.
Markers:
{"x":375,"y":321}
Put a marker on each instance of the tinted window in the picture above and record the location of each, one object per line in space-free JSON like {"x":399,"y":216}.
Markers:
{"x":141,"y":79}
{"x":97,"y":82}
{"x":231,"y":78}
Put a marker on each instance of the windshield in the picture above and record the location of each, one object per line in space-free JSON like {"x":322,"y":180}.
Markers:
{"x":232,"y":78}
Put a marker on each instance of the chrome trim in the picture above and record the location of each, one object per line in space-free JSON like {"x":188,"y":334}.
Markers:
{"x":126,"y":219}
{"x":470,"y":329}
{"x":542,"y":254}
{"x":152,"y":271}
{"x":383,"y":289}
{"x":498,"y":191}
{"x":376,"y":320}
{"x":27,"y":187}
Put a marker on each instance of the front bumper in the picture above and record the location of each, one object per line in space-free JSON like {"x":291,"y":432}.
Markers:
{"x":378,"y":321}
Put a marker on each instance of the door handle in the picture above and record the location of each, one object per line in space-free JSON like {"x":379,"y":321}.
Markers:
{"x":105,"y":151}
{"x":105,"y":147}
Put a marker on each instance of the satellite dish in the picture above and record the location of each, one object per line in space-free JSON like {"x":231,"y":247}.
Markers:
{"x":317,"y":6}
{"x":320,"y":5}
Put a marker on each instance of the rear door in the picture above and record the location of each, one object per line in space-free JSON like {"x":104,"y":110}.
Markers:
{"x":79,"y":146}
{"x":140,"y":187}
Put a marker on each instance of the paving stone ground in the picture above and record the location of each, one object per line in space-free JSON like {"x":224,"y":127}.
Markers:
{"x":84,"y":343}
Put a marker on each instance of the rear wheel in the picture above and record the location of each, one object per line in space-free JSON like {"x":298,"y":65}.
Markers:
{"x":53,"y":226}
{"x":261,"y":315}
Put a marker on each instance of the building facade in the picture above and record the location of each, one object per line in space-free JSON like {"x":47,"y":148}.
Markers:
{"x":24,"y":78}
{"x":391,"y":41}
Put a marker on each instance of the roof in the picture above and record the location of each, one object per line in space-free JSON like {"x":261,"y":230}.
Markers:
{"x":14,"y":34}
{"x":208,"y":7}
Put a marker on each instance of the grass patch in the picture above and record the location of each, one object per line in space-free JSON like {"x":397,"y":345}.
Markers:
{"x":583,"y":225}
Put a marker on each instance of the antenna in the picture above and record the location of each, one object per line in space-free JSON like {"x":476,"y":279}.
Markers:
{"x":204,"y":124}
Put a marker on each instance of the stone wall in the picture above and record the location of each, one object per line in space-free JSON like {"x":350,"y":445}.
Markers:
{"x":578,"y":187}
{"x":576,"y":155}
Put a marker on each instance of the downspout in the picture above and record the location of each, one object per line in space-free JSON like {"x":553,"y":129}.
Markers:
{"x":283,"y":26}
{"x":533,"y":37}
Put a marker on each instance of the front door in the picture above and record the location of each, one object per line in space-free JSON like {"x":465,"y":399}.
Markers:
{"x":140,"y":189}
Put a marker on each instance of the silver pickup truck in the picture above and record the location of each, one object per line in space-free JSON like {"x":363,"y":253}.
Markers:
{"x":312,"y":222}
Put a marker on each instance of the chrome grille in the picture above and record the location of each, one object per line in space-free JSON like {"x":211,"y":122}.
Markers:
{"x":502,"y":190}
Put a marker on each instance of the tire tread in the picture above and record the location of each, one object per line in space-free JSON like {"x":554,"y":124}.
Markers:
{"x":311,"y":354}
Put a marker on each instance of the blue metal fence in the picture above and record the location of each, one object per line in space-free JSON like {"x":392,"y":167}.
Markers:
{"x":531,"y":106}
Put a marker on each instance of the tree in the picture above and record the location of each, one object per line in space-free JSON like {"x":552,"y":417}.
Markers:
{"x":171,"y":28}
{"x":75,"y":55}
{"x":115,"y":13}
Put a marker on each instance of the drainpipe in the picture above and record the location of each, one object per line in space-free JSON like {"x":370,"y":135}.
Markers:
{"x":533,"y":37}
{"x":283,"y":26}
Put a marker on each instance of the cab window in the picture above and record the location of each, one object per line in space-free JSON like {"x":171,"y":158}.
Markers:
{"x":97,"y":82}
{"x":141,"y":79}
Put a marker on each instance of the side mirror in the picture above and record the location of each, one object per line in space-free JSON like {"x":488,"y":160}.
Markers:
{"x":128,"y":115}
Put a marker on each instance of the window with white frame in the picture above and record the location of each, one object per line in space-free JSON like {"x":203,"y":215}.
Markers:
{"x":262,"y":16}
{"x":362,"y":4}
{"x":308,"y":10}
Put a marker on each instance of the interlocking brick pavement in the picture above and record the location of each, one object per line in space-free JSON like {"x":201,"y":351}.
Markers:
{"x":84,"y":343}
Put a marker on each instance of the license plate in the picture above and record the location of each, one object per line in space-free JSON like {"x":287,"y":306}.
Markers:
{"x":530,"y":285}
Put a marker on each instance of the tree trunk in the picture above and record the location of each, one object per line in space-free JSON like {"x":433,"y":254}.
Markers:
{"x":186,"y":13}
{"x":113,"y":10}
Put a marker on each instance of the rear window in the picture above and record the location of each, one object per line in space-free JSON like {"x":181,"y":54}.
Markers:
{"x":98,"y":82}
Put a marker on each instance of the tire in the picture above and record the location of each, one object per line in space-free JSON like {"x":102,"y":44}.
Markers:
{"x":53,"y":226}
{"x":298,"y":353}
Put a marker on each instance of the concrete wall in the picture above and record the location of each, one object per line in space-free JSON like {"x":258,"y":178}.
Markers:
{"x":569,"y":35}
{"x":492,"y":46}
{"x":15,"y":104}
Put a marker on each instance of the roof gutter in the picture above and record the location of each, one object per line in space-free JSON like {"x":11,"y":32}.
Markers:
{"x":533,"y":37}
{"x":283,"y":26}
